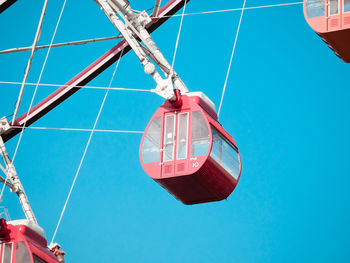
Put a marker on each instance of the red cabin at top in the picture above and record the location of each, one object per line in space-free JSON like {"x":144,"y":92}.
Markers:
{"x":22,"y":241}
{"x":330,"y":19}
{"x":189,"y":153}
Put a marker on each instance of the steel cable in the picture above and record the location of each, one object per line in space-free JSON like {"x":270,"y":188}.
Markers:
{"x":236,"y":9}
{"x":36,"y":88}
{"x":179,"y":33}
{"x":81,"y":87}
{"x":231,"y":59}
{"x":78,"y":129}
{"x":30,"y":60}
{"x":85,"y":150}
{"x":41,"y":73}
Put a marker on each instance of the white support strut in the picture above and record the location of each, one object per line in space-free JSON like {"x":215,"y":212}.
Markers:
{"x":137,"y":25}
{"x":156,"y":8}
{"x":16,"y":185}
{"x":29,"y":64}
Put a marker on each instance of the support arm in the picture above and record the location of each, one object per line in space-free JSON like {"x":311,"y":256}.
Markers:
{"x":156,"y":8}
{"x":134,"y":24}
{"x":3,"y":180}
{"x":136,"y":47}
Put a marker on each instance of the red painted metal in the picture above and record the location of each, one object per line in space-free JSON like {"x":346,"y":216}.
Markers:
{"x":35,"y":244}
{"x":195,"y":178}
{"x":4,"y":4}
{"x":88,"y":74}
{"x":333,"y":27}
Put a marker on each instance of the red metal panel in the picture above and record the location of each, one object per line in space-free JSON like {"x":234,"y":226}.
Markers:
{"x":35,"y":243}
{"x":209,"y":184}
{"x":4,"y":4}
{"x":346,"y":20}
{"x":43,"y":253}
{"x":339,"y":42}
{"x":335,"y":20}
{"x":89,"y":73}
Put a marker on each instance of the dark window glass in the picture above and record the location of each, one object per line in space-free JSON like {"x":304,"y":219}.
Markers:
{"x":38,"y":260}
{"x":333,"y":7}
{"x":7,"y":253}
{"x":225,"y":154}
{"x":22,"y":253}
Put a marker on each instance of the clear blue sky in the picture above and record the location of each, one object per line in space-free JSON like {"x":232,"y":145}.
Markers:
{"x":286,"y":105}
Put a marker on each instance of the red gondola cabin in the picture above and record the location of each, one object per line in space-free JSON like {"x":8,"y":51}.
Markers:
{"x":22,"y":241}
{"x":188,"y":152}
{"x":330,"y":19}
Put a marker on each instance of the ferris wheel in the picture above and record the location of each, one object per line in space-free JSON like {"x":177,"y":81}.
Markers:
{"x":184,"y":148}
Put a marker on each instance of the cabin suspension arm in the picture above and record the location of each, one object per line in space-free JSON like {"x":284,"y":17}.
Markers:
{"x":134,"y":31}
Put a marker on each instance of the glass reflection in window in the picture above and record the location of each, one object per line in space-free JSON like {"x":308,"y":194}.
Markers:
{"x":225,"y":154}
{"x":169,"y":136}
{"x":182,"y":136}
{"x":7,"y":253}
{"x":315,"y":8}
{"x":22,"y":253}
{"x":151,"y":143}
{"x":199,"y":135}
{"x":333,"y":7}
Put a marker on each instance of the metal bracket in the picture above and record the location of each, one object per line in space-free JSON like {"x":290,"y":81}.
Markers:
{"x":4,"y":125}
{"x":144,"y":18}
{"x":165,"y":88}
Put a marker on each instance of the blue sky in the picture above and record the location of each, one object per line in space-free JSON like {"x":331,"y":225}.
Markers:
{"x":286,"y":105}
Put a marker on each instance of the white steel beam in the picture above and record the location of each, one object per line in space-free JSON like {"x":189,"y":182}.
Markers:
{"x":71,"y":43}
{"x":29,"y":64}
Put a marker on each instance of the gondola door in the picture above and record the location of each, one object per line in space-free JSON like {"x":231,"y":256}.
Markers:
{"x":175,"y":143}
{"x":334,"y":15}
{"x":168,"y":149}
{"x":182,"y":144}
